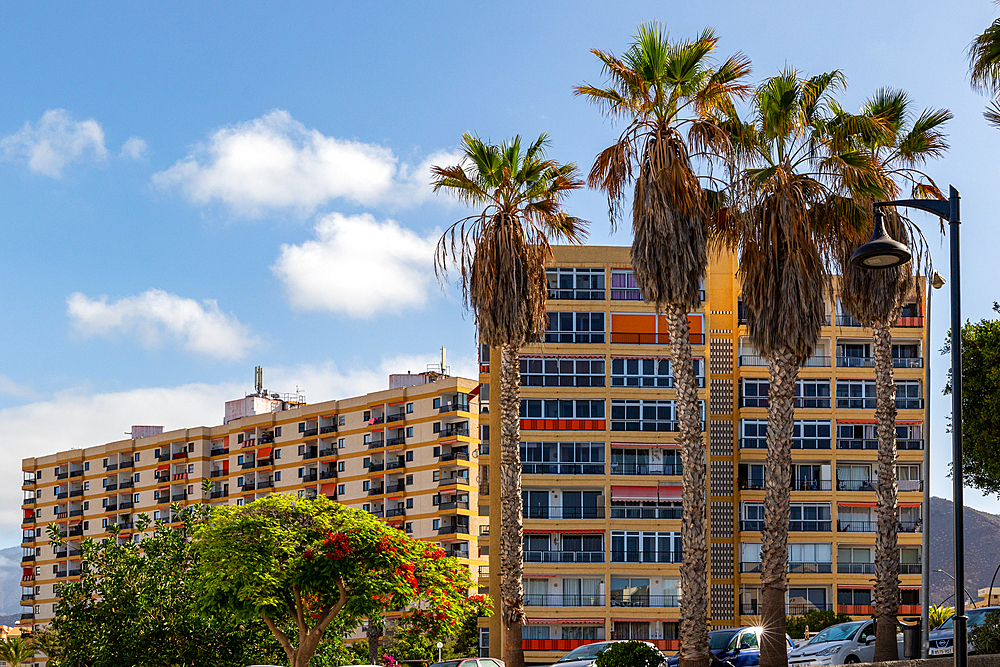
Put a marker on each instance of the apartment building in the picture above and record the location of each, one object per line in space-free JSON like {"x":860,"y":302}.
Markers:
{"x":602,"y":475}
{"x":408,"y":455}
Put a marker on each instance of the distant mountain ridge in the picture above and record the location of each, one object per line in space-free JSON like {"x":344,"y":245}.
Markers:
{"x":982,"y":549}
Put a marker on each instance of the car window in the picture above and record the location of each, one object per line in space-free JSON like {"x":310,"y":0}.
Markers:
{"x":487,"y":662}
{"x":837,"y":633}
{"x":587,"y":651}
{"x":717,"y":641}
{"x":748,"y":639}
{"x":866,"y":633}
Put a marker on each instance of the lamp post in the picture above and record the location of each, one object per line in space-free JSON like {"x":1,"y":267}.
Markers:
{"x":439,"y":647}
{"x":882,"y":252}
{"x":967,"y":593}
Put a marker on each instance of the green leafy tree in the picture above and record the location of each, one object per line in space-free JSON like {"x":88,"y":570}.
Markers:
{"x":815,"y":620}
{"x":501,"y":253}
{"x":985,"y":637}
{"x":315,"y":565}
{"x":980,"y":403}
{"x":136,"y":604}
{"x":666,"y":93}
{"x":16,"y":651}
{"x":631,"y":653}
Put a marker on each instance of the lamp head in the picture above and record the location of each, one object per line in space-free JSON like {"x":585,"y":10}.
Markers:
{"x":937,"y":280}
{"x":881,"y":251}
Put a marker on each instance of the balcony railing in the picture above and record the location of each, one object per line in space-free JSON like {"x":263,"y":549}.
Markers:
{"x":811,"y":485}
{"x":310,"y":453}
{"x":376,"y":466}
{"x":632,"y":338}
{"x":178,"y":497}
{"x":375,"y":444}
{"x":128,"y":484}
{"x":267,"y":484}
{"x":248,"y":486}
{"x":451,"y":431}
{"x":395,"y":465}
{"x":857,"y":526}
{"x":454,"y":456}
{"x":646,"y":469}
{"x":398,"y":417}
{"x":543,"y":600}
{"x":329,"y":451}
{"x":392,"y":442}
{"x":328,"y":474}
{"x":564,"y":557}
{"x":392,"y":512}
{"x":645,"y":556}
{"x":639,"y":512}
{"x":855,"y":362}
{"x":310,"y":432}
{"x":453,"y":407}
{"x":563,"y":512}
{"x":218,"y":452}
{"x":246,"y":465}
{"x":218,"y":473}
{"x":219,"y":494}
{"x":910,"y":568}
{"x":907,"y":362}
{"x":855,"y":568}
{"x":818,"y":361}
{"x":452,"y":530}
{"x":869,"y":610}
{"x":455,"y":505}
{"x":330,"y":428}
{"x":754,"y":608}
{"x":376,"y":491}
{"x":175,"y":455}
{"x":458,"y":479}
{"x":306,"y":479}
{"x":111,"y":508}
{"x":484,"y":571}
{"x":562,"y":468}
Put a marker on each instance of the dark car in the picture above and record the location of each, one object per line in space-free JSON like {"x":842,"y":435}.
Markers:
{"x":941,"y":639}
{"x":743,"y":649}
{"x":718,"y":640}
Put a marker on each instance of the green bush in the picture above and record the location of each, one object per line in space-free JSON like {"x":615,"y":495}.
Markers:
{"x":815,"y":620}
{"x":629,"y":654}
{"x":985,"y":637}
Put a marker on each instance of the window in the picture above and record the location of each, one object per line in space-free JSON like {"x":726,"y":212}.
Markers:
{"x":856,"y":394}
{"x":239,"y":436}
{"x":365,"y":485}
{"x":629,"y":592}
{"x":86,"y":465}
{"x":534,"y":632}
{"x":409,"y":527}
{"x":575,"y":328}
{"x":436,"y":525}
{"x":157,"y":453}
{"x":409,"y":408}
{"x":190,"y":469}
{"x":367,"y":415}
{"x":576,"y":283}
{"x":86,"y":504}
{"x":340,"y":466}
{"x":751,"y":476}
{"x":809,"y":558}
{"x":409,"y":503}
{"x":86,"y":524}
{"x":811,"y":434}
{"x":753,"y":516}
{"x":277,"y":475}
{"x":639,"y":415}
{"x":561,"y":372}
{"x":409,"y":454}
{"x":86,"y":485}
{"x":135,"y":498}
{"x":640,"y":461}
{"x":855,"y":355}
{"x":566,"y":458}
{"x":908,"y":395}
{"x":366,"y":462}
{"x":341,"y":420}
{"x":137,"y":456}
{"x":436,"y":451}
{"x":409,"y":432}
{"x":277,"y":431}
{"x":812,"y":393}
{"x":801,"y":600}
{"x":437,"y":427}
{"x":437,"y":403}
{"x":532,"y":408}
{"x":649,"y":372}
{"x":239,"y":501}
{"x":340,"y":489}
{"x":409,"y":480}
{"x":104,"y":523}
{"x":239,"y":460}
{"x":436,"y":476}
{"x":623,"y":285}
{"x":341,"y":443}
{"x":277,"y":453}
{"x":366,"y":507}
{"x":190,"y":449}
{"x":645,"y":547}
{"x":809,"y":517}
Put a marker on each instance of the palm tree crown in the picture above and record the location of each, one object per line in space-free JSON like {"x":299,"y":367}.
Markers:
{"x":501,"y":250}
{"x":16,"y":650}
{"x":984,"y":67}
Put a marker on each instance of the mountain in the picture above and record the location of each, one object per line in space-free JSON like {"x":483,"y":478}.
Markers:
{"x":982,"y":549}
{"x":10,"y":583}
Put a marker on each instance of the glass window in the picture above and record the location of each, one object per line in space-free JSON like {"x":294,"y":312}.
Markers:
{"x":856,"y":394}
{"x":575,"y":283}
{"x":569,"y":327}
{"x":561,"y":372}
{"x":811,"y":434}
{"x":754,"y":433}
{"x":640,"y":415}
{"x":649,"y":372}
{"x":623,"y":285}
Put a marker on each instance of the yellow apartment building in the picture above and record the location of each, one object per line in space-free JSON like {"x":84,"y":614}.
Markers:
{"x":408,"y":455}
{"x":602,"y":475}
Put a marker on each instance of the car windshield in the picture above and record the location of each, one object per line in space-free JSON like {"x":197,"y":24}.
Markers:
{"x":976,"y":616}
{"x":447,"y":663}
{"x":837,"y":633}
{"x":717,"y":640}
{"x":588,"y":651}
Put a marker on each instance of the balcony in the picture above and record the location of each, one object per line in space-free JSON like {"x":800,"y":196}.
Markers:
{"x":75,"y":513}
{"x":390,"y":513}
{"x":62,"y":496}
{"x":818,"y":361}
{"x":128,"y":484}
{"x":75,"y":531}
{"x":453,"y":456}
{"x":632,"y":338}
{"x":453,"y":480}
{"x":453,"y":530}
{"x":454,"y":430}
{"x":219,"y":494}
{"x":376,"y":466}
{"x":910,"y":568}
{"x":646,"y":556}
{"x":111,"y":508}
{"x":392,"y":442}
{"x":328,"y":474}
{"x":111,"y":487}
{"x":174,"y":456}
{"x":310,"y":432}
{"x":377,"y":513}
{"x":869,"y":610}
{"x":398,"y":417}
{"x":29,"y":557}
{"x":857,"y":526}
{"x":265,"y":484}
{"x":246,"y":465}
{"x":562,"y":468}
{"x":645,"y":469}
{"x":907,"y":362}
{"x":639,"y":512}
{"x":395,"y":465}
{"x":754,"y":608}
{"x":163,"y":456}
{"x":306,"y":479}
{"x":310,"y":453}
{"x":265,"y":462}
{"x":375,"y":444}
{"x":563,"y":512}
{"x":563,"y":556}
{"x":112,"y":467}
{"x":455,"y":505}
{"x":855,"y":568}
{"x":248,"y":486}
{"x":28,"y":481}
{"x":453,"y":407}
{"x":218,"y":473}
{"x":376,"y":491}
{"x":855,"y":362}
{"x":62,"y":475}
{"x":909,"y":404}
{"x":28,"y":519}
{"x":177,"y":497}
{"x":219,"y":452}
{"x":329,"y":451}
{"x":76,"y":473}
{"x":811,"y":485}
{"x":129,"y":463}
{"x":543,"y":600}
{"x":27,"y":616}
{"x":332,"y":428}
{"x":125,"y":505}
{"x":27,"y":596}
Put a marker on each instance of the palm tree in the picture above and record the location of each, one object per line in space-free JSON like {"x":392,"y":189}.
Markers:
{"x":875,"y":299}
{"x":784,"y":171}
{"x":984,"y":68}
{"x":501,"y":253}
{"x":16,"y":651}
{"x":659,"y":88}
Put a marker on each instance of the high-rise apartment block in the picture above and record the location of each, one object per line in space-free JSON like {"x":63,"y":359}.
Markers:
{"x":602,"y":475}
{"x":408,"y":455}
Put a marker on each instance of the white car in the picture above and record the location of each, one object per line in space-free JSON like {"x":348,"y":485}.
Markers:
{"x":843,"y":644}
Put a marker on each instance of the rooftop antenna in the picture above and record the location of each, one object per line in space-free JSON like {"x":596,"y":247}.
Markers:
{"x":258,"y":378}
{"x":443,"y":365}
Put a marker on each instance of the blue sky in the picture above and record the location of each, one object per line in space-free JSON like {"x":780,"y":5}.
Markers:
{"x":189,"y":191}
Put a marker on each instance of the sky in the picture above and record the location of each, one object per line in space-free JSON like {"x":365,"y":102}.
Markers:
{"x":193,"y":189}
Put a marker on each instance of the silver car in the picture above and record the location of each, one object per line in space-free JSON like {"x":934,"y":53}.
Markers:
{"x":586,"y":655}
{"x":843,"y":644}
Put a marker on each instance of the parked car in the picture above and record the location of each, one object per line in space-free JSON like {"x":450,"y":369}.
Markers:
{"x":842,"y":644}
{"x":470,"y":662}
{"x":941,"y":639}
{"x":586,"y":655}
{"x":741,"y":647}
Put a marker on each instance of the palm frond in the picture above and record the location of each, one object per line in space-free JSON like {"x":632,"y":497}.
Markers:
{"x":984,"y":59}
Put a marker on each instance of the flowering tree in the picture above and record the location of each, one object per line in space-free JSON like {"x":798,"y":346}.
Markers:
{"x":316,"y":565}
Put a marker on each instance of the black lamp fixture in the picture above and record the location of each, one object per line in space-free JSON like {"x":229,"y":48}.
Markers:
{"x":881,"y":251}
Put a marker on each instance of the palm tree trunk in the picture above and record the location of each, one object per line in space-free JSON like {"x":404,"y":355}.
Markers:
{"x":784,"y":371}
{"x":511,"y":528}
{"x":694,"y":566}
{"x":886,"y":549}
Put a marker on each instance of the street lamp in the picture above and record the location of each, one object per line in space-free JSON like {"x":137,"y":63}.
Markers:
{"x":967,"y":593}
{"x":439,"y":647}
{"x":877,"y":254}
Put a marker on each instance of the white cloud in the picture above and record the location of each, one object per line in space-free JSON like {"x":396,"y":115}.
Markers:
{"x":358,"y":266}
{"x":276,"y":162}
{"x":55,"y":141}
{"x":156,"y":314}
{"x":79,"y":418}
{"x":9,"y":387}
{"x":134,"y":148}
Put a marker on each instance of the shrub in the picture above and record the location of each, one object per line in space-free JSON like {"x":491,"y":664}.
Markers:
{"x":815,"y":620}
{"x":629,"y":654}
{"x":985,"y":637}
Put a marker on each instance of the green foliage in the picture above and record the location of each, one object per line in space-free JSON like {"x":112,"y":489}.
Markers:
{"x":631,"y":653}
{"x":985,"y":637}
{"x":135,"y":604}
{"x":314,"y":564}
{"x":16,"y":651}
{"x":815,"y":620}
{"x":938,"y":614}
{"x":410,"y":644}
{"x":980,"y":403}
